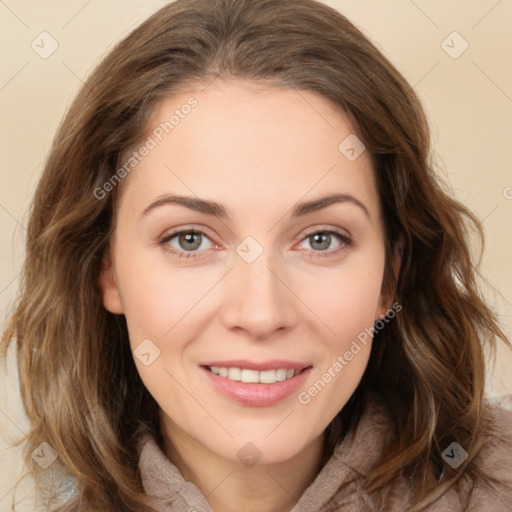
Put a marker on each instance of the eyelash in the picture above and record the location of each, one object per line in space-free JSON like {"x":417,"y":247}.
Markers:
{"x":346,"y":243}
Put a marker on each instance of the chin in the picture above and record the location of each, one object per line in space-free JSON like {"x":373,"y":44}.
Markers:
{"x":274,"y":449}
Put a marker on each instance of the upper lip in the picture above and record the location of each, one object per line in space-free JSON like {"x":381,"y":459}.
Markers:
{"x":274,"y":364}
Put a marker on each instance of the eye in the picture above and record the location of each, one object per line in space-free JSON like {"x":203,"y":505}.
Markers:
{"x":185,"y":243}
{"x":320,"y":241}
{"x":188,"y":243}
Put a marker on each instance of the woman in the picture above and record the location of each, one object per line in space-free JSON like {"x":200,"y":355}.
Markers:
{"x":183,"y":342}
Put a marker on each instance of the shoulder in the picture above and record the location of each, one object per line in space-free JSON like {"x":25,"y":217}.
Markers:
{"x":497,"y":450}
{"x":491,"y":490}
{"x":364,"y":447}
{"x":495,"y":462}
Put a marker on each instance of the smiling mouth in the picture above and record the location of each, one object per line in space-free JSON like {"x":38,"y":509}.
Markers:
{"x":255,"y":376}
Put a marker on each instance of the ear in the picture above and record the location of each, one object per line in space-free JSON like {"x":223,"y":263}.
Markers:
{"x":108,"y":285}
{"x":396,"y":263}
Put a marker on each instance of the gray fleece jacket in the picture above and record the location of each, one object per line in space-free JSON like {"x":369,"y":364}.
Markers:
{"x":350,"y":462}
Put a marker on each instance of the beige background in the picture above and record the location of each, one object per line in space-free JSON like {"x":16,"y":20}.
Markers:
{"x":468,"y":100}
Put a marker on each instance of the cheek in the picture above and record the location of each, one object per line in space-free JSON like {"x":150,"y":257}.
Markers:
{"x":347,"y":303}
{"x":346,"y":300}
{"x":154,"y":298}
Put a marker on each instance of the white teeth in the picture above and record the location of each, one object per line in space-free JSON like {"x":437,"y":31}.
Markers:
{"x":268,"y":377}
{"x":235,"y":374}
{"x":280,"y":374}
{"x":249,"y":376}
{"x":253,"y":376}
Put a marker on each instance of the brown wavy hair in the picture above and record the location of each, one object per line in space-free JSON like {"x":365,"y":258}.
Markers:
{"x":79,"y":384}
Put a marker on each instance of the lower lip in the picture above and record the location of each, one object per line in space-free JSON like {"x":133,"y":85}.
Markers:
{"x":257,"y":394}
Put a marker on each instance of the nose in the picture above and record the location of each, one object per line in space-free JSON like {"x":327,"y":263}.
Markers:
{"x":259,"y":298}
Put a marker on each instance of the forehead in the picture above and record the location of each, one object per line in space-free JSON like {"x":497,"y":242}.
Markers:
{"x":243,"y":143}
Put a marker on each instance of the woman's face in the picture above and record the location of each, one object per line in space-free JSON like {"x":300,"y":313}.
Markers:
{"x":277,"y":280}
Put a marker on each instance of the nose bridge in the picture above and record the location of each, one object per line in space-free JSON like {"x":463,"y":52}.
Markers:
{"x":260,"y":301}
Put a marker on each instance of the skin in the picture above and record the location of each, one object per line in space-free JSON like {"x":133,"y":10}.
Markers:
{"x":257,"y":151}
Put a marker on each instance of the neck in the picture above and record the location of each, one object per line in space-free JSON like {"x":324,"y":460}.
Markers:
{"x":230,"y":486}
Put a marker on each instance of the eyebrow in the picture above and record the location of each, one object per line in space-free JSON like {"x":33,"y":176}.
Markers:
{"x":217,"y":210}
